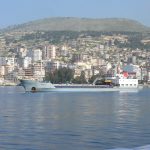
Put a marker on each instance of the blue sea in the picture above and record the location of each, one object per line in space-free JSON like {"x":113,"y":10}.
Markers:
{"x":74,"y":121}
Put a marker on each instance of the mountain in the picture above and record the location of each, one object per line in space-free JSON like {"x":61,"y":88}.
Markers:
{"x":80,"y":24}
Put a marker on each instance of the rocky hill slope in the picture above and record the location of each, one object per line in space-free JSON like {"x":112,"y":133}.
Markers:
{"x":80,"y":24}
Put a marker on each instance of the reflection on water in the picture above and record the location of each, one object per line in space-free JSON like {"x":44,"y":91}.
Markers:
{"x":126,"y":108}
{"x":73,"y":121}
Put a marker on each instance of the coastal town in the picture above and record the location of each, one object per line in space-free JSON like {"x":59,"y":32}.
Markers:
{"x":74,"y":75}
{"x":102,"y":54}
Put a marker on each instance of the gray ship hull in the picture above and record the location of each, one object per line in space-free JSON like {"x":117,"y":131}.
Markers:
{"x":36,"y":86}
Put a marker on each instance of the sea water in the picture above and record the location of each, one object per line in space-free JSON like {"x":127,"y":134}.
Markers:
{"x":74,"y":121}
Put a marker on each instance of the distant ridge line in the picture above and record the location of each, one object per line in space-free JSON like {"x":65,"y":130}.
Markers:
{"x":80,"y":24}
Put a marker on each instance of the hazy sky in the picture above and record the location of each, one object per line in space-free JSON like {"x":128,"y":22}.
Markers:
{"x":21,"y":11}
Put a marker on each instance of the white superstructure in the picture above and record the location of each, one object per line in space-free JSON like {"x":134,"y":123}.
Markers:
{"x":128,"y":83}
{"x":124,"y":81}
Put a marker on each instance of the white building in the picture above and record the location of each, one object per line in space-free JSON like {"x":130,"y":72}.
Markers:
{"x":22,"y":52}
{"x":101,"y":47}
{"x":10,"y":61}
{"x":37,"y":55}
{"x":27,"y":61}
{"x":53,"y":52}
{"x":64,"y":50}
{"x":49,"y":52}
{"x":7,"y":69}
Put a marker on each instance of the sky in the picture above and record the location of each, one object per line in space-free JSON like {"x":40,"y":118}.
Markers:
{"x":13,"y":12}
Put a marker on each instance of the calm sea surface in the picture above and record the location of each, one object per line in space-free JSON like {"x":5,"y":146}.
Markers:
{"x":73,"y":121}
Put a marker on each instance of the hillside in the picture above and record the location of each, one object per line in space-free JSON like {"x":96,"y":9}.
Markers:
{"x":80,"y":24}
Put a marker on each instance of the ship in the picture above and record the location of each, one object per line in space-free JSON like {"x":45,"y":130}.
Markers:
{"x":117,"y":83}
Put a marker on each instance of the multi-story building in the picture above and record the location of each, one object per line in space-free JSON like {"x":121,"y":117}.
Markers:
{"x":53,"y":52}
{"x":28,"y":72}
{"x":37,"y":55}
{"x":38,"y":70}
{"x":10,"y":61}
{"x":49,"y":52}
{"x":26,"y":62}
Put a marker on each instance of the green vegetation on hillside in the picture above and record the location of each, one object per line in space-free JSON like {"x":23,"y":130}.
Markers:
{"x":80,"y":24}
{"x":56,"y":37}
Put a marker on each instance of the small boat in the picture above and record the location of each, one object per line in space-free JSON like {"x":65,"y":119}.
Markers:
{"x":121,"y":84}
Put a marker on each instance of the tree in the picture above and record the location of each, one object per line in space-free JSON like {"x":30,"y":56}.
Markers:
{"x":65,"y":75}
{"x":80,"y":79}
{"x":62,"y":75}
{"x":82,"y":76}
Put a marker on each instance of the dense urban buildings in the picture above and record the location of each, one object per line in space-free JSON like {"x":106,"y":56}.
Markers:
{"x":101,"y":54}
